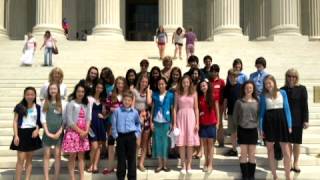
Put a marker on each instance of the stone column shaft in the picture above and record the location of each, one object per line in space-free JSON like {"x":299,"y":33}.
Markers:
{"x":314,"y":19}
{"x":227,"y":17}
{"x":3,"y":31}
{"x":171,"y":14}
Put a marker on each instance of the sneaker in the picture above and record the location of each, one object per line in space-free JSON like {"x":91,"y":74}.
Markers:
{"x":190,"y":171}
{"x":231,"y":153}
{"x":183,"y":171}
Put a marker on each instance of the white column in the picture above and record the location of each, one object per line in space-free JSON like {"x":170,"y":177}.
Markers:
{"x":314,"y":19}
{"x":285,"y":20}
{"x":260,"y":19}
{"x":227,"y":17}
{"x":108,"y":19}
{"x":48,"y":17}
{"x":210,"y":19}
{"x":3,"y":31}
{"x":171,"y":14}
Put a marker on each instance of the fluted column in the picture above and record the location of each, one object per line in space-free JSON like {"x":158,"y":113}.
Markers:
{"x":3,"y":31}
{"x":285,"y":17}
{"x":171,"y":14}
{"x":227,"y":17}
{"x":210,"y":19}
{"x":260,"y":18}
{"x":48,"y":17}
{"x":314,"y":19}
{"x":108,"y":19}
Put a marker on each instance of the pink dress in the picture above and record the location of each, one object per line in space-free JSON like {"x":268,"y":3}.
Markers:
{"x":72,"y":141}
{"x":186,"y":121}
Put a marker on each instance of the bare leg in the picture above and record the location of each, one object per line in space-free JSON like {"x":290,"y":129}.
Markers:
{"x":97,"y":157}
{"x":189,"y":157}
{"x":296,"y":154}
{"x":28,"y":165}
{"x":252,"y":154}
{"x":21,"y":157}
{"x":57,"y":162}
{"x":272,"y":162}
{"x":145,"y":140}
{"x":286,"y":159}
{"x":210,"y":149}
{"x":205,"y":150}
{"x":111,"y":157}
{"x":46,"y":158}
{"x":244,"y":153}
{"x":182,"y":153}
{"x":175,"y":51}
{"x":81,"y":164}
{"x":93,"y":153}
{"x":71,"y":165}
{"x":180,"y":52}
{"x":234,"y":141}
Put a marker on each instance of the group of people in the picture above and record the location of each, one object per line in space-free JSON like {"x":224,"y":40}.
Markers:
{"x":159,"y":112}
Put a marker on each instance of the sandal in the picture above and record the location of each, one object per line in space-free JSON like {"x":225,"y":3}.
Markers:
{"x":141,"y":168}
{"x":95,"y":171}
{"x":158,"y":169}
{"x":107,"y":171}
{"x":166,"y":169}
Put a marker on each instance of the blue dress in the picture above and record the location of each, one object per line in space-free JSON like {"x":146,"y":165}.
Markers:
{"x":98,"y":125}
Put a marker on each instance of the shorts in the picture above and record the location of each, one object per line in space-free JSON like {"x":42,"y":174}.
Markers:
{"x":190,"y":48}
{"x":232,"y":125}
{"x":179,"y":44}
{"x":209,"y":131}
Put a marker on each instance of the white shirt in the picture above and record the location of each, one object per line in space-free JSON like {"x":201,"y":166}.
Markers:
{"x":178,"y":38}
{"x":30,"y":121}
{"x":44,"y":88}
{"x":275,"y":103}
{"x":159,"y":117}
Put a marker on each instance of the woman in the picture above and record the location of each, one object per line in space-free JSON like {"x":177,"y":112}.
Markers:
{"x":177,"y":40}
{"x":167,"y":66}
{"x":175,"y":77}
{"x":131,"y":78}
{"x":49,"y":43}
{"x":245,"y":113}
{"x":155,"y":75}
{"x":275,"y":122}
{"x":298,"y":102}
{"x":28,"y":50}
{"x":91,"y":79}
{"x":161,"y":40}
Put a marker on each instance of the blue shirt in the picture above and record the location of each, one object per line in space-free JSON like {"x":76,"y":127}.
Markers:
{"x":125,"y":121}
{"x":258,"y":77}
{"x":241,"y":79}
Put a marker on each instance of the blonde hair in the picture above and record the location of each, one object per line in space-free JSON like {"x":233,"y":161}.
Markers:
{"x":56,"y":70}
{"x":291,"y":72}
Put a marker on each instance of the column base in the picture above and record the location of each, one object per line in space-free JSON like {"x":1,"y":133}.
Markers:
{"x":107,"y":32}
{"x":227,"y":31}
{"x":287,"y":30}
{"x":314,"y":38}
{"x":56,"y":31}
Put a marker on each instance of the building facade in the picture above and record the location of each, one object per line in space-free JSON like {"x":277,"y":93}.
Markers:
{"x":138,"y":19}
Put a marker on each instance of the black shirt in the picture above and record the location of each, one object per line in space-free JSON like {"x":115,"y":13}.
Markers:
{"x":298,"y":102}
{"x":232,"y":94}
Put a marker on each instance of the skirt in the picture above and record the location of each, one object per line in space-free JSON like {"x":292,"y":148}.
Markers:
{"x":275,"y":127}
{"x":160,"y":140}
{"x":296,"y":135}
{"x":26,"y":142}
{"x":247,"y":135}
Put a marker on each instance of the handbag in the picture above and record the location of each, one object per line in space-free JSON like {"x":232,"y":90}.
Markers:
{"x":55,"y":50}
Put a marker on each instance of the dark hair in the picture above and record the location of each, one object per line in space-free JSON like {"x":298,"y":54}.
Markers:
{"x":88,"y":75}
{"x":107,"y":76}
{"x":144,"y":61}
{"x":103,"y":94}
{"x":154,"y":81}
{"x":73,"y":95}
{"x":47,"y":34}
{"x":129,"y":83}
{"x":180,"y":89}
{"x":262,"y":61}
{"x":254,"y":93}
{"x":171,"y":75}
{"x":179,"y":30}
{"x":207,"y":57}
{"x":24,"y":104}
{"x":193,"y":58}
{"x":237,"y":61}
{"x":161,"y":79}
{"x":195,"y":81}
{"x":209,"y":94}
{"x":215,"y":68}
{"x":127,"y":93}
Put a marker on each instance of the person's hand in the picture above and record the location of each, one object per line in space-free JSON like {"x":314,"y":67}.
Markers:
{"x":35,"y":133}
{"x":16,"y":140}
{"x":100,"y":116}
{"x":305,"y":125}
{"x":83,"y":134}
{"x":151,"y":126}
{"x":290,"y":130}
{"x":56,"y":136}
{"x":196,"y":128}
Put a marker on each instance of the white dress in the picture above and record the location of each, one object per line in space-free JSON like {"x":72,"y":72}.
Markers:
{"x":27,"y":57}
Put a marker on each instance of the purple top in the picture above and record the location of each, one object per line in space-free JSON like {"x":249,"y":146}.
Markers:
{"x":191,"y":37}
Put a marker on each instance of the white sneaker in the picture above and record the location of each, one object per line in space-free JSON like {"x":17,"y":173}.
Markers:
{"x":183,"y":171}
{"x":190,"y":171}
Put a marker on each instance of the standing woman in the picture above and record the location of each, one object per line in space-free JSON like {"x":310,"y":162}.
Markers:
{"x":298,"y":102}
{"x":209,"y":120}
{"x":78,"y":118}
{"x":245,"y":113}
{"x":108,"y":80}
{"x":49,"y":43}
{"x":161,"y":120}
{"x":275,"y":122}
{"x":114,"y":101}
{"x":191,"y":38}
{"x":131,"y":78}
{"x":155,"y":76}
{"x":29,"y":49}
{"x":55,"y":76}
{"x":51,"y":119}
{"x":186,"y":120}
{"x":91,"y":79}
{"x":174,"y":79}
{"x":26,"y":124}
{"x":167,"y":66}
{"x":177,"y":40}
{"x":161,"y":40}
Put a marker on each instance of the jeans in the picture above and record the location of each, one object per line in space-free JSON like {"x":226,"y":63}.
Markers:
{"x":48,"y":56}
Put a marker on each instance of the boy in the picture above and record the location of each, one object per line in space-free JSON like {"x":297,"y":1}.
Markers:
{"x":126,"y":128}
{"x":144,"y":65}
{"x":207,"y":60}
{"x":258,"y":76}
{"x":231,"y":94}
{"x":193,"y":62}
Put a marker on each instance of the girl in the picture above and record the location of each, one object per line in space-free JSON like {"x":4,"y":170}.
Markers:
{"x":275,"y":122}
{"x":98,"y":130}
{"x":91,"y":79}
{"x":191,"y":37}
{"x":155,"y":75}
{"x":142,"y":99}
{"x":108,"y":80}
{"x":51,"y":119}
{"x":195,"y":76}
{"x":131,"y":78}
{"x":167,"y":65}
{"x":245,"y":113}
{"x":49,"y":43}
{"x":174,"y":79}
{"x":186,"y":120}
{"x":177,"y":40}
{"x":161,"y":117}
{"x":161,"y":40}
{"x":29,"y":49}
{"x":55,"y":76}
{"x":208,"y":119}
{"x":26,"y":126}
{"x":113,"y":102}
{"x":298,"y":101}
{"x":237,"y":65}
{"x":78,"y":118}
